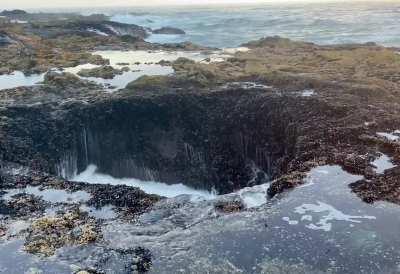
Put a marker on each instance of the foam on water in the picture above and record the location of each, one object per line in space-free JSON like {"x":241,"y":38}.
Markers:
{"x":389,"y":136}
{"x":50,"y":195}
{"x":90,"y":175}
{"x":254,"y":196}
{"x":143,"y":56}
{"x":325,"y":200}
{"x":329,"y":214}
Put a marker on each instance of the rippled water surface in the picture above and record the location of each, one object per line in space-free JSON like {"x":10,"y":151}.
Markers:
{"x":325,"y":23}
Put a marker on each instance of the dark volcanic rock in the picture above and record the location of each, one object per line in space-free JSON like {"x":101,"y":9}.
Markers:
{"x":229,"y":206}
{"x":385,"y":187}
{"x":207,"y":140}
{"x":194,"y":127}
{"x":168,"y":30}
{"x":284,"y":183}
{"x":25,"y":205}
{"x":84,"y":27}
{"x":133,"y":200}
{"x":11,"y":13}
{"x":101,"y":259}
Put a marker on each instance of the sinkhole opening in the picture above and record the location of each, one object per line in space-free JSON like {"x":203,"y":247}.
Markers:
{"x":212,"y":144}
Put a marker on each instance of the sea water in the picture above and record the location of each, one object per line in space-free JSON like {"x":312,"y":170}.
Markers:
{"x":223,"y":26}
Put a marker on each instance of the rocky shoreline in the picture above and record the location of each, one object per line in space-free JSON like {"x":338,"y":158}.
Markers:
{"x":269,"y":114}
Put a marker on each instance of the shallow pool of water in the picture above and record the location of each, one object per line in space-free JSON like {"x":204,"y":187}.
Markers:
{"x":382,"y":163}
{"x":140,"y":63}
{"x":19,"y":79}
{"x":120,"y":81}
{"x":317,"y":228}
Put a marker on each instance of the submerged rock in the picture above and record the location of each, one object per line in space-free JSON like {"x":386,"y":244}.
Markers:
{"x":229,"y":206}
{"x":48,"y":234}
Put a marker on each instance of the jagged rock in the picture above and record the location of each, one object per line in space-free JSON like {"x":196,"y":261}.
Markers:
{"x":168,"y":30}
{"x":12,"y":12}
{"x":85,"y":27}
{"x":284,"y":183}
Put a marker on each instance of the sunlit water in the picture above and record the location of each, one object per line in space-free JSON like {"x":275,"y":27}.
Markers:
{"x":140,"y":63}
{"x":324,"y":23}
{"x":18,"y":79}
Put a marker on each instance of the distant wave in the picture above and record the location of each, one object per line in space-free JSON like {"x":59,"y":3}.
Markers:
{"x":230,"y":27}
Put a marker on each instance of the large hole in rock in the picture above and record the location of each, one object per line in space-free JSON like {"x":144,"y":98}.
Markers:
{"x":224,"y":141}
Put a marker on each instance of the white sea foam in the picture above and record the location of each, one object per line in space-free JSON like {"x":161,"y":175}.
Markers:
{"x":90,"y":175}
{"x":289,"y":221}
{"x":50,"y":195}
{"x":326,"y":214}
{"x":389,"y":136}
{"x":144,"y":56}
{"x":307,"y":93}
{"x":254,"y":196}
{"x":235,"y":50}
{"x":97,"y":31}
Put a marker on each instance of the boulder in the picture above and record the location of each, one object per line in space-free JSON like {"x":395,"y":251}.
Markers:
{"x":105,"y":72}
{"x":168,"y":30}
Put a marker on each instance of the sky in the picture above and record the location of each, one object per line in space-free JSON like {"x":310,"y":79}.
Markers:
{"x":11,"y":4}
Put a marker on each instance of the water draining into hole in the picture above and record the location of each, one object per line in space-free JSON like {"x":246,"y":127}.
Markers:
{"x":90,"y":175}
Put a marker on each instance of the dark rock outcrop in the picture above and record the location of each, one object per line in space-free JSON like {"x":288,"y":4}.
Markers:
{"x":55,"y":29}
{"x":11,"y":13}
{"x":168,"y":30}
{"x":203,"y":128}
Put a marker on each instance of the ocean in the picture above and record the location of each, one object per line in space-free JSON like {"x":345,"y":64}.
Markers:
{"x":223,"y":26}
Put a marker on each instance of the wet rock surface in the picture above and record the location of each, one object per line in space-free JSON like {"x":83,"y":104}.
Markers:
{"x":48,"y":234}
{"x":283,"y":115}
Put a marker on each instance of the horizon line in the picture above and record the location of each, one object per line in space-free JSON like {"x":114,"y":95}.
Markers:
{"x":212,"y":4}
